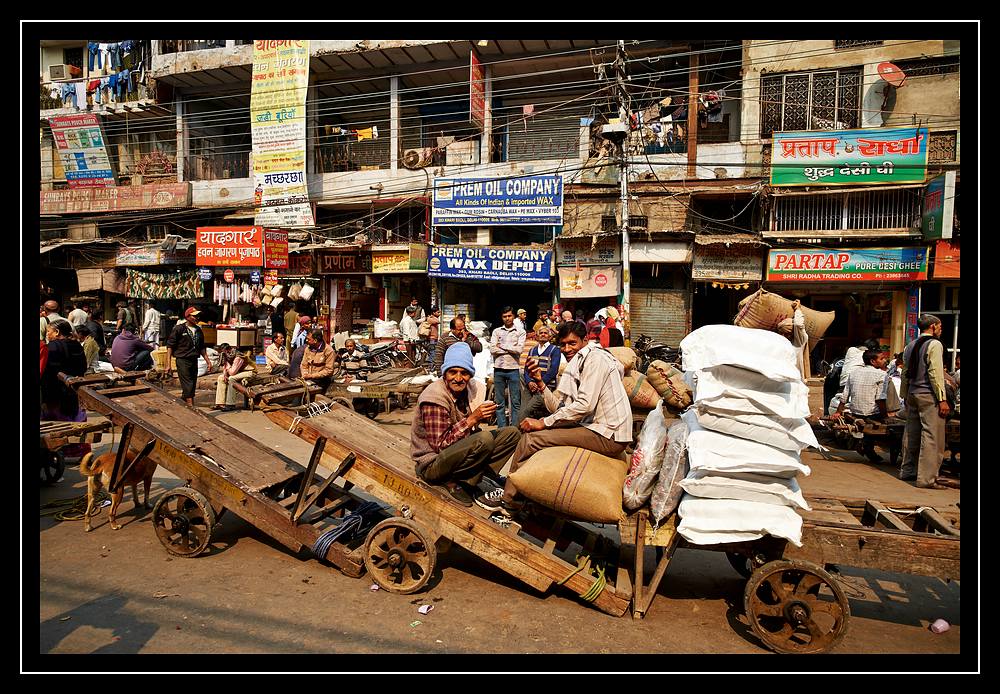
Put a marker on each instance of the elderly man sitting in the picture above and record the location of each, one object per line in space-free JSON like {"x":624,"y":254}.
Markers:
{"x":446,"y":442}
{"x":235,"y":369}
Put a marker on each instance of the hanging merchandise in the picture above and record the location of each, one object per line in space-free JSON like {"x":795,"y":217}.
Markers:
{"x":277,"y":289}
{"x":293,"y":291}
{"x":266,"y":299}
{"x":307,"y":292}
{"x":276,"y":301}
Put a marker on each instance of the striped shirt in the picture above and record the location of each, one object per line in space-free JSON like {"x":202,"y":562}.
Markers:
{"x":863,"y":388}
{"x":591,"y":394}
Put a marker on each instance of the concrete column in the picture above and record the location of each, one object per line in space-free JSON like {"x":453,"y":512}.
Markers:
{"x":486,"y":144}
{"x":231,"y":44}
{"x":394,"y":122}
{"x":182,"y":138}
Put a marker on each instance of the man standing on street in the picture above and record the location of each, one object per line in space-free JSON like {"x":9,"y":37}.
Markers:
{"x":291,"y":320}
{"x":418,"y":311}
{"x":185,"y":343}
{"x":78,"y":316}
{"x":506,"y":345}
{"x":923,"y":391}
{"x":151,"y":326}
{"x":458,"y":333}
{"x":51,"y":309}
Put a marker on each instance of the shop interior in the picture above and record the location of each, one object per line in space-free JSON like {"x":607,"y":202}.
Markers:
{"x":487,"y":299}
{"x":718,"y":302}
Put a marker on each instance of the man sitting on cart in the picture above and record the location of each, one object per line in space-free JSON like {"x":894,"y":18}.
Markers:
{"x":589,"y":409}
{"x":445,"y":440}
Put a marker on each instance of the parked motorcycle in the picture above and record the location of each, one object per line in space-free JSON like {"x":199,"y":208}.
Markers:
{"x":649,"y":351}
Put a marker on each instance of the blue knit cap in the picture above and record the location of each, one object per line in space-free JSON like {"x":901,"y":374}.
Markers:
{"x":458,"y":355}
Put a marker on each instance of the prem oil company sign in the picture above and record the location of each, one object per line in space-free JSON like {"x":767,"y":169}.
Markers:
{"x":525,"y":200}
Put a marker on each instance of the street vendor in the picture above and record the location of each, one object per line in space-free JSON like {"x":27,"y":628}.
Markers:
{"x":318,"y":360}
{"x":589,"y":409}
{"x":446,"y":442}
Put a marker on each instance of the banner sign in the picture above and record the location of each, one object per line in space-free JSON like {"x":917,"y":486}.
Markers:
{"x":204,"y":274}
{"x":138,"y":256}
{"x":847,"y":265}
{"x":229,"y":246}
{"x":174,"y":285}
{"x":718,"y":262}
{"x":528,"y":200}
{"x":116,"y":198}
{"x":390,"y":261}
{"x":275,"y":249}
{"x":84,"y":157}
{"x":849,"y":157}
{"x":947,"y":260}
{"x":344,"y":262}
{"x":589,"y":282}
{"x":418,"y":256}
{"x":503,"y":263}
{"x":299,"y":265}
{"x":278,"y":131}
{"x":580,"y":251}
{"x":912,"y":314}
{"x":939,"y":207}
{"x":477,"y":93}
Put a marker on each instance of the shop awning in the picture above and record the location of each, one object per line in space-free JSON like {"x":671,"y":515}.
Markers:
{"x":660,"y":252}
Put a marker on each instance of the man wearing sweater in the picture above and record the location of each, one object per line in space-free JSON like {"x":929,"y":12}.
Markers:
{"x":923,"y":390}
{"x":548,"y":357}
{"x":506,"y":344}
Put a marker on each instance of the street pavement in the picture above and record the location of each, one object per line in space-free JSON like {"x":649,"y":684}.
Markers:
{"x":120,"y":592}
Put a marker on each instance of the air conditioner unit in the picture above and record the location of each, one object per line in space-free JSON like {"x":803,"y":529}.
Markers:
{"x":418,"y":158}
{"x":479,"y":236}
{"x":64,"y":72}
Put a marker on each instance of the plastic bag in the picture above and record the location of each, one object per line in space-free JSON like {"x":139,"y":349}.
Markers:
{"x":306,"y":293}
{"x":293,"y":291}
{"x":646,"y":460}
{"x":667,"y":492}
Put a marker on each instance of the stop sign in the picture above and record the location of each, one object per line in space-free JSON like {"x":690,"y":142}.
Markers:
{"x":601,"y":280}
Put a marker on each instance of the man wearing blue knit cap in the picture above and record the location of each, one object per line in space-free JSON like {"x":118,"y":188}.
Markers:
{"x":449,"y":448}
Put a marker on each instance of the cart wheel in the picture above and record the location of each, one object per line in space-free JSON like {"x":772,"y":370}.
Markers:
{"x":183,"y":520}
{"x":372,"y":408}
{"x":399,"y":556}
{"x":796,"y":607}
{"x":53,"y":466}
{"x":343,"y":401}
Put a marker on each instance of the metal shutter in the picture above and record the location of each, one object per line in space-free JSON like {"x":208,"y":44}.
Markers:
{"x":662,"y":314}
{"x":543,"y":137}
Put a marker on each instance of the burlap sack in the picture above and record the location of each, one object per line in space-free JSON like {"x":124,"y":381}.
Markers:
{"x":640,"y":393}
{"x":669,"y":384}
{"x":575,"y":482}
{"x":626,"y":355}
{"x":765,"y":310}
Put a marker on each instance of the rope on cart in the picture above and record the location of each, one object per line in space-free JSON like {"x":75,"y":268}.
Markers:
{"x":583,"y":562}
{"x":351,"y":525}
{"x":73,"y":509}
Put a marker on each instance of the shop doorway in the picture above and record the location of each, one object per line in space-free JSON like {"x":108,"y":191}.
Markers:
{"x":486,"y":299}
{"x":715,"y":305}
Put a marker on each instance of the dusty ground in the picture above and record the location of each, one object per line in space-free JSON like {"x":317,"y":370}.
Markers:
{"x":120,"y":592}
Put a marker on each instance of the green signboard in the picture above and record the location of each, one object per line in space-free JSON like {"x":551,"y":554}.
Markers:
{"x":939,"y":207}
{"x":849,"y":157}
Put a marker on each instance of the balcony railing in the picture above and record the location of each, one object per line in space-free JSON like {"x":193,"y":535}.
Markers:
{"x":182,"y":46}
{"x":218,"y":167}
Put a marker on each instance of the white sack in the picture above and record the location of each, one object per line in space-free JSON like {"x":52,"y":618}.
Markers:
{"x":646,"y":460}
{"x":786,"y":434}
{"x":483,"y":363}
{"x":386,"y":328}
{"x":759,"y":350}
{"x":709,"y":450}
{"x":737,"y":390}
{"x":713,"y":521}
{"x":203,"y":367}
{"x":667,"y":492}
{"x":744,"y":486}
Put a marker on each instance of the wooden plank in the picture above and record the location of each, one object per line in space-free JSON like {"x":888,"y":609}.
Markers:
{"x":124,"y":391}
{"x":642,"y":607}
{"x":639,"y":576}
{"x":885,"y":550}
{"x":877,"y":515}
{"x":933,"y":520}
{"x":376,"y":473}
{"x":550,"y":544}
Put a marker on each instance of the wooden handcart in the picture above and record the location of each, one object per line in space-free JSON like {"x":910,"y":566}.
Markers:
{"x":53,"y":436}
{"x":377,"y":392}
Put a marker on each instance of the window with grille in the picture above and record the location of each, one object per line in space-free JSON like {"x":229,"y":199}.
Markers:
{"x":609,"y":223}
{"x":638,"y":221}
{"x":855,"y":44}
{"x":896,"y":209}
{"x":943,"y":147}
{"x":826,"y":100}
{"x":929,"y":66}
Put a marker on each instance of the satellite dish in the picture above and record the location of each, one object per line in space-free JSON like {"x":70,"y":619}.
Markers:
{"x":891,"y":74}
{"x":878,"y":103}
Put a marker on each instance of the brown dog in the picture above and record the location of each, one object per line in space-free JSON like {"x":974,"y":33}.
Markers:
{"x":98,"y":474}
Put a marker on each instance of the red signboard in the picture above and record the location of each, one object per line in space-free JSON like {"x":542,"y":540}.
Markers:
{"x":235,"y":246}
{"x":115,"y":199}
{"x":229,"y":275}
{"x":477,"y":92}
{"x":947,"y":260}
{"x":275,"y":249}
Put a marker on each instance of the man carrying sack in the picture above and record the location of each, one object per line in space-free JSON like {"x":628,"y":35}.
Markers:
{"x":445,"y":440}
{"x":590,"y":408}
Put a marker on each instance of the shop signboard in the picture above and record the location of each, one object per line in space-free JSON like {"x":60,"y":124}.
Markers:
{"x":138,"y":256}
{"x":158,"y":196}
{"x":344,"y":262}
{"x":912,"y":314}
{"x":229,"y":246}
{"x":418,"y":256}
{"x":719,"y":262}
{"x":589,"y":282}
{"x":849,"y":157}
{"x":947,"y":260}
{"x":84,"y":157}
{"x":847,"y":265}
{"x":278,"y":132}
{"x":498,"y":263}
{"x":255,"y":277}
{"x":390,"y":261}
{"x":299,"y":265}
{"x":178,"y":257}
{"x":524,"y":201}
{"x":275,"y":249}
{"x":939,"y":207}
{"x":572,"y":252}
{"x":477,"y":92}
{"x":204,"y":274}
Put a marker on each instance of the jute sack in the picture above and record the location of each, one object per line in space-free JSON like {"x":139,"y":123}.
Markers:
{"x":764,"y":310}
{"x":575,"y":482}
{"x":669,"y":383}
{"x":640,"y":392}
{"x":626,"y":355}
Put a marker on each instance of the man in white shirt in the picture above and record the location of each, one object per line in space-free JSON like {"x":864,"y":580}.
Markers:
{"x":277,"y":355}
{"x":418,"y":312}
{"x":522,"y":316}
{"x":151,"y":325}
{"x":408,"y":325}
{"x":78,"y":316}
{"x":590,"y":409}
{"x":506,"y":345}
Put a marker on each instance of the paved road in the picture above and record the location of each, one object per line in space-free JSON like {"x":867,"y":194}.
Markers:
{"x":120,"y":592}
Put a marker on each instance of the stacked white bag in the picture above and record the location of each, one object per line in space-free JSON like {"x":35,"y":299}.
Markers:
{"x":746,"y":431}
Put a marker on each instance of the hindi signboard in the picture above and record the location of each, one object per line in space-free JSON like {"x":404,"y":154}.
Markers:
{"x":498,"y":263}
{"x":275,"y":249}
{"x":344,"y":262}
{"x":849,"y":157}
{"x":847,"y":265}
{"x":137,"y":256}
{"x":115,"y":198}
{"x":526,"y":200}
{"x":225,"y":246}
{"x":589,"y":282}
{"x":84,"y":157}
{"x":278,"y":131}
{"x":939,"y":207}
{"x":571,"y":252}
{"x":477,"y":92}
{"x":719,"y":262}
